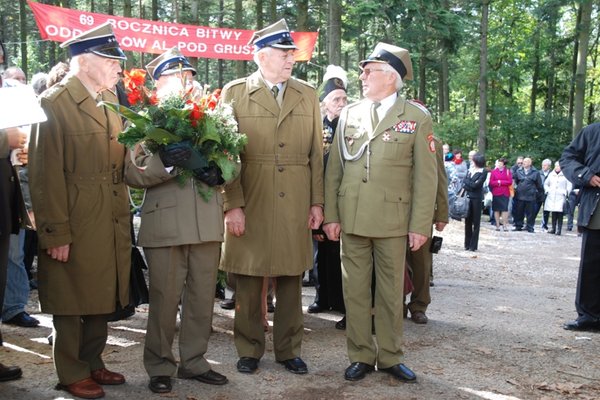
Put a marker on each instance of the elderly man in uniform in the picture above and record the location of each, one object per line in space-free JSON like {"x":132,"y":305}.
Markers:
{"x":421,"y":261}
{"x":181,"y":234}
{"x":277,"y":200}
{"x":81,"y":208}
{"x":580,"y":163}
{"x":380,"y":190}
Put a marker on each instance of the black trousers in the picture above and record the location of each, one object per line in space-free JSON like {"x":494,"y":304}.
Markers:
{"x":587,"y":298}
{"x":524,"y":209}
{"x":472,"y":223}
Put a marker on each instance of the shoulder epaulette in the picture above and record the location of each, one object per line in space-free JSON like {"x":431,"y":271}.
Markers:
{"x":419,"y":105}
{"x":54,"y":92}
{"x":235,"y":82}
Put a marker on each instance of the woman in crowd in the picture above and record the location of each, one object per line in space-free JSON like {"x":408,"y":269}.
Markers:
{"x":500,"y":180}
{"x":473,"y":184}
{"x":557,"y":188}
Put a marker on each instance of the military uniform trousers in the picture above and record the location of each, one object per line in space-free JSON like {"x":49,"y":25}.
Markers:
{"x":78,"y":343}
{"x":357,"y":267}
{"x":421,"y":262}
{"x":186,"y":274}
{"x":288,"y":321}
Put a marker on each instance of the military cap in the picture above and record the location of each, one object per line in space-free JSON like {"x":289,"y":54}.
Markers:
{"x":169,"y":62}
{"x":397,"y":57}
{"x":335,"y":78}
{"x":99,"y":40}
{"x":275,"y":35}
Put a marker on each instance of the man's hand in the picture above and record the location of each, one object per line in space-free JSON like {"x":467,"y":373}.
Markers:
{"x":332,"y":230}
{"x":174,"y":156}
{"x":439,"y":226}
{"x":16,"y":138}
{"x":210,"y":175}
{"x":416,"y":240}
{"x":315,"y":217}
{"x":60,"y":253}
{"x":235,"y":221}
{"x":595,"y":181}
{"x":23,"y":156}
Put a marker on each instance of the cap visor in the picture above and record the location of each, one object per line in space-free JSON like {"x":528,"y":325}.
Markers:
{"x":110,"y":52}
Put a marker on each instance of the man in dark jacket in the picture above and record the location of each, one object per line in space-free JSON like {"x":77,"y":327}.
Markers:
{"x":580,"y":163}
{"x":527,"y":185}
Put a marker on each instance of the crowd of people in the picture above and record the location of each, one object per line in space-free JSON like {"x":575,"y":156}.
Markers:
{"x":323,"y":185}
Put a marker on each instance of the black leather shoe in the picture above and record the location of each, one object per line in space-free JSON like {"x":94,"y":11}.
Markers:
{"x":228,"y":304}
{"x":247,"y":365}
{"x":400,"y":372}
{"x":314,"y":308}
{"x":160,"y":384}
{"x":517,"y":229}
{"x":211,"y":377}
{"x":24,"y":320}
{"x":341,"y":324}
{"x":295,"y":365}
{"x":583,"y":323}
{"x":357,"y":370}
{"x":9,"y":373}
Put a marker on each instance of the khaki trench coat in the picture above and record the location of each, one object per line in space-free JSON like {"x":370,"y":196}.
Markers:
{"x":79,"y":198}
{"x":393,"y":190}
{"x":281,"y":177}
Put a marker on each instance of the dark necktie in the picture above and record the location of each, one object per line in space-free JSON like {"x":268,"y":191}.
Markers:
{"x":275,"y":90}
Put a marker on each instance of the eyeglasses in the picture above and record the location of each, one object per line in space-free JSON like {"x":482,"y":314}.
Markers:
{"x":367,"y":71}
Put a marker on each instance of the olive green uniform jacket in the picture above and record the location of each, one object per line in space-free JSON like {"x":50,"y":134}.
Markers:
{"x":391,"y":189}
{"x":281,"y":177}
{"x":79,"y":198}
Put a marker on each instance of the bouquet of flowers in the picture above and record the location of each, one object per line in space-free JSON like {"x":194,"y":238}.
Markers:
{"x":186,"y":118}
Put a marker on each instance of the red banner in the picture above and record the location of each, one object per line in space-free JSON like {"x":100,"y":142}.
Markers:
{"x":60,"y":24}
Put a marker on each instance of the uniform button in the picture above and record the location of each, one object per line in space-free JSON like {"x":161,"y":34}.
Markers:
{"x":281,"y":144}
{"x":49,"y":230}
{"x":364,"y":180}
{"x":366,"y":166}
{"x":115,"y":193}
{"x":280,"y":169}
{"x":281,"y":194}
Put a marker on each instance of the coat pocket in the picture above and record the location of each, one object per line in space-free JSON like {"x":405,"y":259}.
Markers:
{"x":159,"y":219}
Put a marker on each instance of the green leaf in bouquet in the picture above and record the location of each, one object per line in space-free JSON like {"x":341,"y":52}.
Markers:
{"x":162,"y":136}
{"x":125,"y":112}
{"x":131,"y":136}
{"x":228,"y":168}
{"x":210,"y":132}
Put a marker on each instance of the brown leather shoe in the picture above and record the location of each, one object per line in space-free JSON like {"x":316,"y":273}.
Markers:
{"x":419,"y":317}
{"x":103,"y":376}
{"x":86,"y":389}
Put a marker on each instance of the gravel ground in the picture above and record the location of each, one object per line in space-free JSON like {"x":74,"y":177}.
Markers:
{"x":494,"y":333}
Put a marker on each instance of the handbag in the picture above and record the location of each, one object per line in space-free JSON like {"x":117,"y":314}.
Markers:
{"x":459,"y":208}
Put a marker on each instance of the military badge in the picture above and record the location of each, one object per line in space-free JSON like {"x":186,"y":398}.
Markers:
{"x":431,"y":143}
{"x":405,"y":126}
{"x":386,"y":137}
